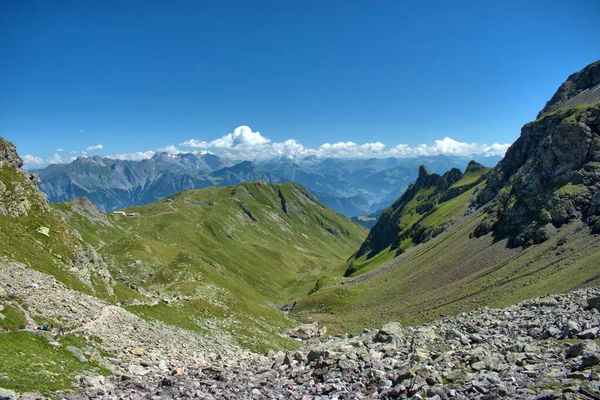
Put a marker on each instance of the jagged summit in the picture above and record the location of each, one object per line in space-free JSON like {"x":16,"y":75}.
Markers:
{"x":443,"y":182}
{"x":474,"y":166}
{"x":18,"y":189}
{"x":8,"y":154}
{"x":406,"y":221}
{"x":582,"y":87}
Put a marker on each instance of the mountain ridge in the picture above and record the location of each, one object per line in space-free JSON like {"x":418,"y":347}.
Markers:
{"x":351,"y":187}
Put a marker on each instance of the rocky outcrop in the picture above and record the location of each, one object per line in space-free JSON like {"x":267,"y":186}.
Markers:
{"x":8,"y":155}
{"x":550,"y":175}
{"x":89,"y":265}
{"x":18,"y":189}
{"x":582,"y":87}
{"x":428,"y":191}
{"x":84,"y":207}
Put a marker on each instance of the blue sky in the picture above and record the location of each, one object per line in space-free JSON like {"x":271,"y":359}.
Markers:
{"x":251,"y":78}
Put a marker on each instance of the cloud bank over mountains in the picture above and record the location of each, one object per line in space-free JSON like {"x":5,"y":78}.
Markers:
{"x":245,"y":144}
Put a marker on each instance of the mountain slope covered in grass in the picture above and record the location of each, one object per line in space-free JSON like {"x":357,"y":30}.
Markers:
{"x":228,"y":253}
{"x":452,"y":243}
{"x":425,"y":210}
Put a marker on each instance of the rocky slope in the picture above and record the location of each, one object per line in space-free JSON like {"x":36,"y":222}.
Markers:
{"x":582,"y":87}
{"x":551,"y":174}
{"x":18,"y":192}
{"x":50,"y":276}
{"x":543,"y":348}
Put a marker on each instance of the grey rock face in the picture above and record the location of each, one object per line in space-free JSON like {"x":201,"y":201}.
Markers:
{"x":77,"y":353}
{"x":578,"y":89}
{"x":550,"y":175}
{"x":6,"y":394}
{"x":19,"y":193}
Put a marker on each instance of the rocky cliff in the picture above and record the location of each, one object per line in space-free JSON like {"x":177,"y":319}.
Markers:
{"x":551,"y":174}
{"x":18,"y":189}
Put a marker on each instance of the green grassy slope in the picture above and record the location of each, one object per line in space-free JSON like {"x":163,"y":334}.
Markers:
{"x":224,"y":253}
{"x":427,"y":208}
{"x":536,"y":231}
{"x":54,"y":253}
{"x":454,"y":273}
{"x":41,"y":363}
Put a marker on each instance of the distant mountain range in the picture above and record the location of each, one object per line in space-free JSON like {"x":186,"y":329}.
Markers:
{"x":349,"y":186}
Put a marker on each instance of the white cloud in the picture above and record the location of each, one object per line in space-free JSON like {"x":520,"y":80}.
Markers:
{"x":136,"y":156}
{"x":449,"y":146}
{"x":30,"y":161}
{"x":55,"y":159}
{"x":241,"y":139}
{"x":351,"y":150}
{"x":289,"y":148}
{"x":243,"y":143}
{"x":60,"y":149}
{"x":96,"y":147}
{"x":169,"y":149}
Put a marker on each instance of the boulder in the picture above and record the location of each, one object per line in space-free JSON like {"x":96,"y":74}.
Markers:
{"x":137,"y":370}
{"x":305,"y":331}
{"x":591,"y":333}
{"x":77,"y":353}
{"x":138,"y":351}
{"x":594,"y":302}
{"x":392,"y":332}
{"x":583,"y":348}
{"x":6,"y":394}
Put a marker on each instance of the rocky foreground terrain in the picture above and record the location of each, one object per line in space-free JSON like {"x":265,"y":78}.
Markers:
{"x":543,"y":348}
